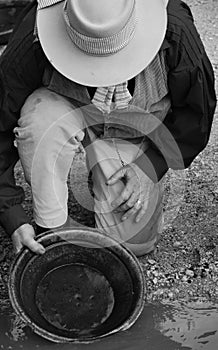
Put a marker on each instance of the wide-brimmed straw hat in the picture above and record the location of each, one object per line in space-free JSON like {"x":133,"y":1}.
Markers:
{"x":101,"y":42}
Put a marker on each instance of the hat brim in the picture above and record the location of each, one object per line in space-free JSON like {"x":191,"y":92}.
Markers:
{"x":113,"y":69}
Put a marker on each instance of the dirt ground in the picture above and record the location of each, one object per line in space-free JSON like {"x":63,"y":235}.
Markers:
{"x":185,"y":263}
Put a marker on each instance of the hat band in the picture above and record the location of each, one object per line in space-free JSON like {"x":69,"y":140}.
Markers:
{"x":46,"y":3}
{"x":106,"y":45}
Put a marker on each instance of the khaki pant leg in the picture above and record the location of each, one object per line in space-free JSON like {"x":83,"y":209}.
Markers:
{"x":48,"y":133}
{"x":140,"y":237}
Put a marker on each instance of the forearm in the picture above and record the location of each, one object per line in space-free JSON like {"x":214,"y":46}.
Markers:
{"x":12,"y":215}
{"x":12,"y":218}
{"x":176,"y":142}
{"x":21,"y":70}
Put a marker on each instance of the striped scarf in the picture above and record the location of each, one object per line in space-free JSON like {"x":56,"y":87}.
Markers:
{"x":104,"y":95}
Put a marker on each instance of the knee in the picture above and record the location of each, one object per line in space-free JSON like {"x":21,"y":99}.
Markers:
{"x":46,"y":113}
{"x":42,"y":108}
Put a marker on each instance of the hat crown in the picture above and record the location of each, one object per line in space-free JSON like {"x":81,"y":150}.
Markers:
{"x":99,"y":18}
{"x":76,"y":37}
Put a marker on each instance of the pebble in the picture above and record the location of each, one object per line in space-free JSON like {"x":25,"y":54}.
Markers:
{"x":203,"y":273}
{"x":184,"y":278}
{"x":190,"y":273}
{"x":151,"y":261}
{"x":156,"y":273}
{"x":177,"y":244}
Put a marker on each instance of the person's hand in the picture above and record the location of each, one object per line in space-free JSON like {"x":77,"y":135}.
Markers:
{"x":24,"y":236}
{"x":134,"y":197}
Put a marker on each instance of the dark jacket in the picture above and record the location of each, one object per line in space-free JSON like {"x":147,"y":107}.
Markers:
{"x":191,"y":87}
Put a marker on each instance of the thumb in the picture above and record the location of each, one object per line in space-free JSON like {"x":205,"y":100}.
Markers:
{"x":17,"y":246}
{"x":119,"y":174}
{"x":29,"y":241}
{"x":25,"y":236}
{"x":35,"y":247}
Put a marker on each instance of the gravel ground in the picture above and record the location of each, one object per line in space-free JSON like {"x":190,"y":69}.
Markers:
{"x":185,"y":263}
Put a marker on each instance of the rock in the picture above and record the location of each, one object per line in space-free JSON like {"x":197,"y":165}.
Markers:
{"x":189,"y":273}
{"x":177,"y":244}
{"x":151,"y":261}
{"x":156,"y":273}
{"x":184,"y":278}
{"x":203,"y":273}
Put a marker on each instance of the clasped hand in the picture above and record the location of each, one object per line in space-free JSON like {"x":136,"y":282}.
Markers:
{"x":135,"y":195}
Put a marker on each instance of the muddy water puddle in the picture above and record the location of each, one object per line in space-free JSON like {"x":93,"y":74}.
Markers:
{"x":189,"y":325}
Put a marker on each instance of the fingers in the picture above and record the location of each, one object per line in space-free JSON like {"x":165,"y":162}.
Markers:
{"x":123,"y":197}
{"x":25,"y":236}
{"x":116,"y":176}
{"x":17,"y":247}
{"x":134,"y":197}
{"x":131,"y":211}
{"x":128,"y":197}
{"x":128,"y":204}
{"x":139,"y":207}
{"x":34,"y":246}
{"x":142,"y":211}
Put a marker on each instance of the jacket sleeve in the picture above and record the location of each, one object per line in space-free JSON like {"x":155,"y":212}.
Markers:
{"x":186,"y":129}
{"x":21,"y":68}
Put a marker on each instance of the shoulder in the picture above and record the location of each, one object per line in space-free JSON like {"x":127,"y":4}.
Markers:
{"x":21,"y":48}
{"x":182,"y":35}
{"x":179,"y":17}
{"x":23,"y":60}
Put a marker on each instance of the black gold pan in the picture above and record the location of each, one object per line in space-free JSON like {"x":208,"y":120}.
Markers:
{"x":86,"y":286}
